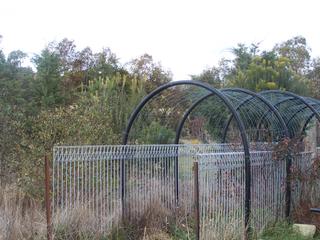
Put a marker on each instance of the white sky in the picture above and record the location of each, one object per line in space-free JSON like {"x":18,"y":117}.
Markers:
{"x":185,"y":36}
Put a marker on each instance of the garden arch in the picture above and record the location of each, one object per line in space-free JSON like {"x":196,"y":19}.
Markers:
{"x":233,"y":111}
{"x":254,"y":96}
{"x":250,"y":111}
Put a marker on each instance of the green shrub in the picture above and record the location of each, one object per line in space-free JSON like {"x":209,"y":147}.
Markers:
{"x":155,"y":133}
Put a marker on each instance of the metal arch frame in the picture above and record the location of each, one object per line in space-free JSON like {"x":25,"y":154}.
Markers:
{"x":315,"y":112}
{"x":253,"y":95}
{"x":289,"y":159}
{"x":276,"y":106}
{"x":172,"y":84}
{"x":272,"y":108}
{"x":286,"y":135}
{"x":186,"y":115}
{"x":294,"y":115}
{"x":240,"y":124}
{"x":225,"y":130}
{"x":239,"y":121}
{"x":308,"y":121}
{"x":188,"y":112}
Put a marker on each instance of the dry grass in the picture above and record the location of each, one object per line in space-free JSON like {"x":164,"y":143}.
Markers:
{"x":20,"y":216}
{"x":232,"y":230}
{"x":78,"y":223}
{"x":23,"y":218}
{"x":157,"y":222}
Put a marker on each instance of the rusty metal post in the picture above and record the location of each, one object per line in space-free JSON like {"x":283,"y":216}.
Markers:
{"x":47,"y":197}
{"x":196,"y":199}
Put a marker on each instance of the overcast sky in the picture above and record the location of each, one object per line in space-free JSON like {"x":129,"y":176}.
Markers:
{"x":185,"y":36}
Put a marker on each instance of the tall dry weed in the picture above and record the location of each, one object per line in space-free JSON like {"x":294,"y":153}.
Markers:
{"x":20,"y":216}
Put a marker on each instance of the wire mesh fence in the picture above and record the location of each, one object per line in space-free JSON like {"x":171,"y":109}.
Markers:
{"x":221,"y":192}
{"x":109,"y":182}
{"x":87,"y":178}
{"x":112,"y":182}
{"x":302,"y":163}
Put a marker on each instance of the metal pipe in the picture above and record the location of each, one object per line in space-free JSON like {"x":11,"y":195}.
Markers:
{"x":196,"y":199}
{"x":47,"y":197}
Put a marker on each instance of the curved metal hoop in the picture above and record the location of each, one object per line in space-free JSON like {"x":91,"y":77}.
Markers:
{"x":307,"y":123}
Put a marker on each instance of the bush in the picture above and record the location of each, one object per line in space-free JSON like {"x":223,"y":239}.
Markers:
{"x":155,"y":133}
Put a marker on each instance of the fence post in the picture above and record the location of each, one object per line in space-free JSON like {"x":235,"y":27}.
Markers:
{"x":176,"y":174}
{"x":247,"y":204}
{"x":288,"y":185}
{"x":124,"y":150}
{"x":196,"y":199}
{"x":47,"y":197}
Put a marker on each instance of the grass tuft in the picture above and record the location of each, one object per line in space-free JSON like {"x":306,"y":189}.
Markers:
{"x":282,"y":231}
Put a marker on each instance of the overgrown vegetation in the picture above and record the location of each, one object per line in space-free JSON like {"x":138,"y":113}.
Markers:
{"x":81,"y":97}
{"x":21,"y":217}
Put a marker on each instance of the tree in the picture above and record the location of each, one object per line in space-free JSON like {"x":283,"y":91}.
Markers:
{"x":106,"y":64}
{"x":48,"y":79}
{"x":314,"y":76}
{"x":297,"y":51}
{"x":15,"y":81}
{"x":78,"y":67}
{"x":2,"y":57}
{"x":211,"y":76}
{"x":264,"y":70}
{"x":243,"y":56}
{"x":66,"y":52}
{"x":145,"y":68}
{"x":16,"y":58}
